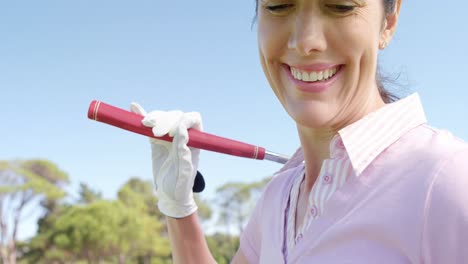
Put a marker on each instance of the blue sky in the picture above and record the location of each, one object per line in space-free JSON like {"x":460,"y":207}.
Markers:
{"x":57,"y":56}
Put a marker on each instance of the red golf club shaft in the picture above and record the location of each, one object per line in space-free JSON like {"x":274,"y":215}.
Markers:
{"x":130,"y":121}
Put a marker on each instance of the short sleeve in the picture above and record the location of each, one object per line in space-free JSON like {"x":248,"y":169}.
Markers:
{"x":250,"y":240}
{"x":445,"y":231}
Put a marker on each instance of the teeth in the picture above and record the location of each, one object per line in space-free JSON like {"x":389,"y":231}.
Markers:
{"x":313,"y":76}
{"x":320,"y":75}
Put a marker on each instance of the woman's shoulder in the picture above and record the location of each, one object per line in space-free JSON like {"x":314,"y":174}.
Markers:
{"x":446,"y":204}
{"x":424,"y":153}
{"x":433,"y":143}
{"x":444,"y":135}
{"x":447,"y":155}
{"x":451,"y":151}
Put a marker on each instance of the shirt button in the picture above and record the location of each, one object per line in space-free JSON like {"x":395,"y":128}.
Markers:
{"x":298,"y":238}
{"x":327,"y":179}
{"x":341,"y":144}
{"x":314,"y":211}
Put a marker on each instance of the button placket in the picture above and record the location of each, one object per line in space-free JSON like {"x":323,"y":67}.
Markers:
{"x":313,"y":211}
{"x":298,"y":238}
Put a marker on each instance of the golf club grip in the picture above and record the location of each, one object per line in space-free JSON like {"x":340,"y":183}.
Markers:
{"x":130,"y":121}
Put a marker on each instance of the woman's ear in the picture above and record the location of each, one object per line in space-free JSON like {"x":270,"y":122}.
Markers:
{"x":389,"y":25}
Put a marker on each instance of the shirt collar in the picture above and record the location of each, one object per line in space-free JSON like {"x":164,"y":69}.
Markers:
{"x":365,"y":139}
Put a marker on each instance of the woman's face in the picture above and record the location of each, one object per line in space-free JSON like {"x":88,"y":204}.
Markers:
{"x":320,"y":57}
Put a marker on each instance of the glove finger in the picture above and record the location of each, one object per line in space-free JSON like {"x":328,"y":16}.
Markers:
{"x":187,"y":157}
{"x":186,"y":168}
{"x":159,"y":155}
{"x":170,"y":174}
{"x":160,"y":152}
{"x":195,"y":121}
{"x":138,"y":109}
{"x":188,"y":120}
{"x":162,"y":122}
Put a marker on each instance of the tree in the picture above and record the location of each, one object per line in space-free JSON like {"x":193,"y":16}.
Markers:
{"x":40,"y":249}
{"x":101,"y":231}
{"x":138,"y":193}
{"x":87,"y":194}
{"x":221,"y":248}
{"x":204,"y":209}
{"x":235,"y":202}
{"x":22,"y":183}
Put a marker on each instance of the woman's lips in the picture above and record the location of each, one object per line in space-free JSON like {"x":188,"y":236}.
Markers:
{"x":313,"y":81}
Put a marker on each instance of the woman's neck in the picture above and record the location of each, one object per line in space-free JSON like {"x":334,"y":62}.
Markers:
{"x":315,"y":148}
{"x":315,"y":142}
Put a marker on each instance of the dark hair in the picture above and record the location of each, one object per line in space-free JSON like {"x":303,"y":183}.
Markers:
{"x":389,"y":6}
{"x":387,"y":96}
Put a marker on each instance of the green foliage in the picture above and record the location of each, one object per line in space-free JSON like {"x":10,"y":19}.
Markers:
{"x":139,"y":194}
{"x":122,"y":231}
{"x":88,"y":195}
{"x":23,"y":182}
{"x":48,"y":170}
{"x":223,"y":247}
{"x":32,"y":177}
{"x":204,"y":210}
{"x":129,"y":229}
{"x":102,"y":230}
{"x":236,"y":200}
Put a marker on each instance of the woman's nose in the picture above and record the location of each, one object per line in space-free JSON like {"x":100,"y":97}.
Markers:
{"x":307,"y":35}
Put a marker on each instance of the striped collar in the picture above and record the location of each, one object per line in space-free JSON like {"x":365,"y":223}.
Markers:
{"x":365,"y":139}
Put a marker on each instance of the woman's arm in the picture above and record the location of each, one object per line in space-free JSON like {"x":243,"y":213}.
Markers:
{"x":188,"y":241}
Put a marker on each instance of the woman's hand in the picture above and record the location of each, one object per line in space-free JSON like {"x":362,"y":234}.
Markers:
{"x":174,"y":164}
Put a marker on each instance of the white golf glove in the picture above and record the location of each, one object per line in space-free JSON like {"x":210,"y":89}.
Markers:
{"x":174,"y":164}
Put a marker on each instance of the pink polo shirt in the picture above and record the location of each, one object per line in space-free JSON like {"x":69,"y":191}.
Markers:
{"x":399,"y":195}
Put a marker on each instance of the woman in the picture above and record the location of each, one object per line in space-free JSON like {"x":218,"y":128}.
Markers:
{"x":371,"y":182}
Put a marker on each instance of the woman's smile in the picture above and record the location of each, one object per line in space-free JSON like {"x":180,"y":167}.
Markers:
{"x":313,"y":78}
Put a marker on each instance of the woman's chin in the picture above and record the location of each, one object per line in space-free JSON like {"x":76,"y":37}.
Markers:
{"x":313,"y":120}
{"x":312,"y":114}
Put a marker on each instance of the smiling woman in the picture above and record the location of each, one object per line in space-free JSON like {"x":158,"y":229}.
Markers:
{"x":371,"y":182}
{"x":344,"y":8}
{"x":310,"y":37}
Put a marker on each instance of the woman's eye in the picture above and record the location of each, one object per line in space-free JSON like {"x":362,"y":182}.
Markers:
{"x":341,"y":8}
{"x":278,"y":9}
